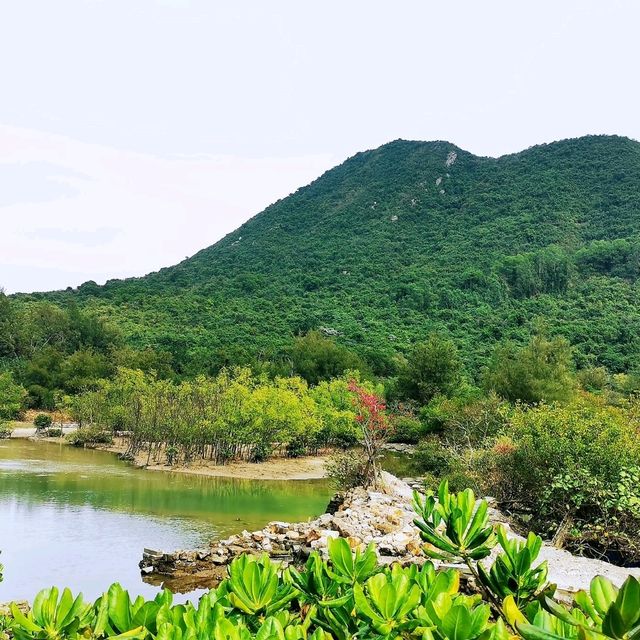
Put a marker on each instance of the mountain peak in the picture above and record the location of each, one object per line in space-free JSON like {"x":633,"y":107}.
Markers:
{"x":412,"y":237}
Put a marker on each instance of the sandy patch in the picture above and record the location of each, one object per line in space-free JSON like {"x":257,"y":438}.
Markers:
{"x":304,"y":468}
{"x":307,"y":468}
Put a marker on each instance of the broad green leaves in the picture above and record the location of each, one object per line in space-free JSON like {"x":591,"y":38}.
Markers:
{"x":512,"y":573}
{"x":253,"y":586}
{"x":453,"y":526}
{"x":387,"y":600}
{"x":352,"y":597}
{"x":51,"y":618}
{"x":603,"y":612}
{"x":349,"y":567}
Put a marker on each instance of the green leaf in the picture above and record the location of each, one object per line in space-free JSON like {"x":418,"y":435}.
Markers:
{"x":531,"y":632}
{"x":628,"y":602}
{"x":613,"y":624}
{"x":603,"y":594}
{"x":341,"y":557}
{"x":270,"y":629}
{"x":457,"y":623}
{"x":119,"y":607}
{"x":23,"y":621}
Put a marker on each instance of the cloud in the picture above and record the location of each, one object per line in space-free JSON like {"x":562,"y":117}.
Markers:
{"x":35,"y":182}
{"x":85,"y":211}
{"x":87,"y":238}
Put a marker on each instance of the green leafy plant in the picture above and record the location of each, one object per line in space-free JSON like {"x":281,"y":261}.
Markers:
{"x":387,"y":599}
{"x":456,"y":527}
{"x":603,"y":612}
{"x":513,"y":573}
{"x":452,"y":525}
{"x":52,"y":617}
{"x":253,"y":586}
{"x":42,"y":421}
{"x":350,"y":596}
{"x":350,"y":567}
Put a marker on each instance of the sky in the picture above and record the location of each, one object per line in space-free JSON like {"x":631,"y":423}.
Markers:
{"x":135,"y":132}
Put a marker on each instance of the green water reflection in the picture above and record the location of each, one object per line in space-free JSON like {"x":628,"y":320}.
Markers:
{"x":82,"y":517}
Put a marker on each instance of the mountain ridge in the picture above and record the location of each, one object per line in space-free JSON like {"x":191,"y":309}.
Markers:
{"x":404,"y":239}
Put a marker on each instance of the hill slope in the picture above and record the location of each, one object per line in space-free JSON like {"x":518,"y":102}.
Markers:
{"x":408,"y":238}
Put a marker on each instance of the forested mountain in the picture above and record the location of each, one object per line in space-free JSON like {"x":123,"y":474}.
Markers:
{"x":403,"y":240}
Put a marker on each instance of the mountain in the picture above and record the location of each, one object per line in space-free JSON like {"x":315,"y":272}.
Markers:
{"x":406,"y":239}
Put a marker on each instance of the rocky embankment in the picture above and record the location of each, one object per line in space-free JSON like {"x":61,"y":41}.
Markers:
{"x":384,"y":517}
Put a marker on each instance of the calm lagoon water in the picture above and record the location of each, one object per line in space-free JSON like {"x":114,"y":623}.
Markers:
{"x":81,"y":518}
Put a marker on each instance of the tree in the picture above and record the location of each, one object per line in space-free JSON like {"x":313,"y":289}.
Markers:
{"x":9,"y":332}
{"x":374,"y":426}
{"x":541,"y":370}
{"x":316,"y":357}
{"x":83,"y":369}
{"x":433,"y":367}
{"x":12,"y":396}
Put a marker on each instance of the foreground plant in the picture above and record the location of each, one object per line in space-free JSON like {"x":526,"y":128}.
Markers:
{"x":457,"y":528}
{"x":51,"y":618}
{"x":350,"y":596}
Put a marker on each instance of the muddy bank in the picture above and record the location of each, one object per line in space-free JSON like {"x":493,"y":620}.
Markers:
{"x":303,"y":468}
{"x":383,"y":517}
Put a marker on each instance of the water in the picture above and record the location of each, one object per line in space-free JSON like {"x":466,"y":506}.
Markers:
{"x":81,"y":518}
{"x":400,"y":464}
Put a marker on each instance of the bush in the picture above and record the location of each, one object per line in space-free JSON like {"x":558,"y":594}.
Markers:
{"x":345,"y":440}
{"x":432,"y":368}
{"x":5,"y":431}
{"x":431,"y":457}
{"x":54,"y":432}
{"x":171,"y":454}
{"x":537,"y":372}
{"x":12,"y":397}
{"x":296,"y":447}
{"x":469,"y":424}
{"x":260,"y":452}
{"x":88,"y":436}
{"x":567,"y":466}
{"x":347,"y":470}
{"x":593,"y":378}
{"x":42,"y":421}
{"x":407,"y":430}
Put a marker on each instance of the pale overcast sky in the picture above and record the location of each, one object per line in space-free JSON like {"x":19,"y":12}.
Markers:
{"x":135,"y":132}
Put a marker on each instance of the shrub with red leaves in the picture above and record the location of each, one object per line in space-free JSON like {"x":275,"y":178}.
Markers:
{"x":374,"y":425}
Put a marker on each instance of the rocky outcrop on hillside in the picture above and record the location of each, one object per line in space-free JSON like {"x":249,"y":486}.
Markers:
{"x":383,"y":517}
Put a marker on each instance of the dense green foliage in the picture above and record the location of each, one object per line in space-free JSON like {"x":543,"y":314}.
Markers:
{"x":233,"y":416}
{"x":42,"y":421}
{"x":391,"y":247}
{"x":50,"y":351}
{"x":572,"y":470}
{"x":12,"y":397}
{"x":576,"y":467}
{"x":351,"y":596}
{"x":540,"y":370}
{"x":431,"y":368}
{"x":399,"y":242}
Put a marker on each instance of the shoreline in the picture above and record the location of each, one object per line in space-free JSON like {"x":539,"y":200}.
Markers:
{"x":303,"y":468}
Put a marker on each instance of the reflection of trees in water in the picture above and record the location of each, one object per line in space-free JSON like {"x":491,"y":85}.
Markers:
{"x":161,"y":493}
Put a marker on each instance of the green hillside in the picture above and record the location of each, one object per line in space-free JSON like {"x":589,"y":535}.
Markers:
{"x":403,"y":240}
